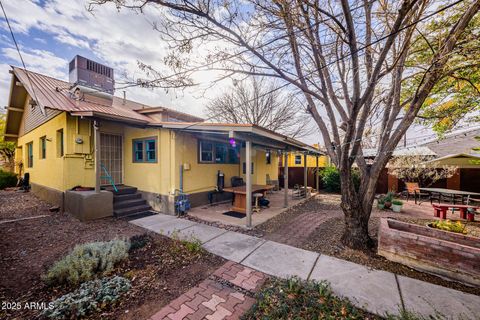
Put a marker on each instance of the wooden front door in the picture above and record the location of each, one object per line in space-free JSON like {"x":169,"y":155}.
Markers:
{"x":111,"y":157}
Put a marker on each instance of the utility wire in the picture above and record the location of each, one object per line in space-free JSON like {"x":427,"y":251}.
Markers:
{"x":351,"y":53}
{"x":20,"y":55}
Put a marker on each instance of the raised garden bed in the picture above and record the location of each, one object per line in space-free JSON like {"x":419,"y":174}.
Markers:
{"x":452,"y":255}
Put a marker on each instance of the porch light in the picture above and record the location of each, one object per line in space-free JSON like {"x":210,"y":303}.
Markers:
{"x":232,"y":142}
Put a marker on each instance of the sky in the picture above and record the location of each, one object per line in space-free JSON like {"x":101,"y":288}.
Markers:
{"x":51,"y":32}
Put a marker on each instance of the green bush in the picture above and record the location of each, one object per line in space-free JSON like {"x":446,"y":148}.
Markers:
{"x":331,"y":179}
{"x":297,"y":299}
{"x":86,"y":261}
{"x":7,"y":179}
{"x":91,"y":296}
{"x":139,"y":241}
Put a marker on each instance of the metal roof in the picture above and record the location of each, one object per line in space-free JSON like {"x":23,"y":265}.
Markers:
{"x":244,"y":131}
{"x":55,"y":94}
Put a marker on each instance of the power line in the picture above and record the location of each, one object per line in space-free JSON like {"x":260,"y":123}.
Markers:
{"x":148,"y":82}
{"x":358,"y":50}
{"x":20,"y":55}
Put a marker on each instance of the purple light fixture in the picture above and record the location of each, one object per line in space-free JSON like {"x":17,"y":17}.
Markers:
{"x":232,"y":142}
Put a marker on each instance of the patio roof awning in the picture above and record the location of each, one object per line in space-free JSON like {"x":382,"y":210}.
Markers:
{"x":254,"y":137}
{"x":246,"y":132}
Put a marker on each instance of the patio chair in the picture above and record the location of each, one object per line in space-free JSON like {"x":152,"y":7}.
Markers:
{"x":413,"y":190}
{"x":274,"y":183}
{"x":298,"y":191}
{"x":237,"y":181}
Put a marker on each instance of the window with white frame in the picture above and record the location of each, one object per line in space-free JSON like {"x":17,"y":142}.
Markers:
{"x":298,"y":159}
{"x":218,"y":152}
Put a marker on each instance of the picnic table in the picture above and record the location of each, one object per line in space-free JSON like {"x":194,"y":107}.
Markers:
{"x":240,"y":201}
{"x":448,"y":194}
{"x":440,"y":210}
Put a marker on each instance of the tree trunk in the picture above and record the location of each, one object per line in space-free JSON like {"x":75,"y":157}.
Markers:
{"x":357,"y":207}
{"x":356,"y":234}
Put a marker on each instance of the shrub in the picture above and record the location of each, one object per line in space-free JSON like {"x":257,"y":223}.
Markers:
{"x":7,"y":179}
{"x":388,"y":197}
{"x":87,"y":260}
{"x":448,"y":225}
{"x":331,"y":179}
{"x":397,"y":202}
{"x":297,"y":299}
{"x":139,"y":241}
{"x":191,"y":245}
{"x":91,"y":296}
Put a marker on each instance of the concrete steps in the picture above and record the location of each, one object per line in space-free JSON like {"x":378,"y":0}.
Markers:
{"x":127,"y":201}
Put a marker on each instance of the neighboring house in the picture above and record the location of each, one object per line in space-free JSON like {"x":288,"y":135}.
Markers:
{"x":155,"y":149}
{"x":296,"y":168}
{"x":456,"y":148}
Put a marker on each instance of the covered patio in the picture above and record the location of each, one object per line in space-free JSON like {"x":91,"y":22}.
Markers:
{"x":251,"y":140}
{"x":215,"y":212}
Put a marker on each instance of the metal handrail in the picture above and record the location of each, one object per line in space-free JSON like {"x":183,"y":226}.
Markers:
{"x":109,"y":177}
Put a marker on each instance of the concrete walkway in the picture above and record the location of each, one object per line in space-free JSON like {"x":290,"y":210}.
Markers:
{"x":376,"y":291}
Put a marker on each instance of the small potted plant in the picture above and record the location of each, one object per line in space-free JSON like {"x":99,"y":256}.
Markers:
{"x":381,"y":203}
{"x":397,"y":205}
{"x":388,"y":200}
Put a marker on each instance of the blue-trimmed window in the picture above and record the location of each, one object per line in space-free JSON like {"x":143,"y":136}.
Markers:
{"x":151,"y":150}
{"x":145,"y":150}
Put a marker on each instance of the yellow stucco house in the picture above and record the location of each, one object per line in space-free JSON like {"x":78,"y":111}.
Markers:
{"x":303,"y":167}
{"x":76,"y":133}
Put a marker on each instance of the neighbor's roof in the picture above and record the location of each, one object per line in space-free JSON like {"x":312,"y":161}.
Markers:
{"x":456,"y":156}
{"x":457,"y":142}
{"x":405,"y":151}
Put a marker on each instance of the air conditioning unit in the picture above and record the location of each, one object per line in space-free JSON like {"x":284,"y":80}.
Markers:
{"x":91,"y":77}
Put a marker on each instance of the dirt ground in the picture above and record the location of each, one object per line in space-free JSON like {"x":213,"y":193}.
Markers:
{"x":15,"y":205}
{"x":325,"y":238}
{"x":159,"y":272}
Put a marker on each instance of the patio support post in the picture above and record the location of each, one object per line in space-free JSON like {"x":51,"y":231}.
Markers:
{"x":317,"y":177}
{"x":285,"y":180}
{"x":248,"y":173}
{"x":98,"y":168}
{"x":305,"y":174}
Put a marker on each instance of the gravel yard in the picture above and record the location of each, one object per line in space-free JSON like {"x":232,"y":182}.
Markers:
{"x":159,"y":272}
{"x":325,"y":237}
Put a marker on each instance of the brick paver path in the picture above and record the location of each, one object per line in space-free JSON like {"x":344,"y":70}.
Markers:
{"x":300,"y":228}
{"x":227,"y":294}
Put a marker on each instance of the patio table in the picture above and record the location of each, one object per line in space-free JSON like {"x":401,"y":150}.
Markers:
{"x":448,"y":193}
{"x":240,"y":202}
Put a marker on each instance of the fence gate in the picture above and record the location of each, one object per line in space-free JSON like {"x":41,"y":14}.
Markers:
{"x":111,"y":156}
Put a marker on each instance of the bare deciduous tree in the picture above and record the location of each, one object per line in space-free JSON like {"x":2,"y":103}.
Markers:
{"x":256,"y":101}
{"x":419,"y":168}
{"x":347,"y":60}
